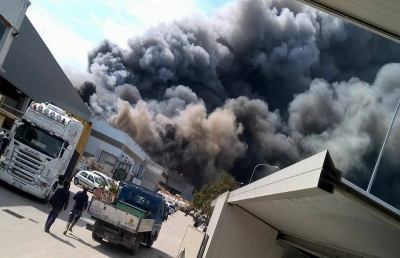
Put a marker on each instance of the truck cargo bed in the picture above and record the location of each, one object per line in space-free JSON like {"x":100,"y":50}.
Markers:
{"x":119,"y":218}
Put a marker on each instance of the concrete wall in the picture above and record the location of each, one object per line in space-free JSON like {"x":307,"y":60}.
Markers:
{"x":152,"y":175}
{"x":235,"y":233}
{"x":191,"y":242}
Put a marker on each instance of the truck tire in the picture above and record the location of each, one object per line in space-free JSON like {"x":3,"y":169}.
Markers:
{"x":76,"y":181}
{"x":96,"y":237}
{"x":148,"y":241}
{"x":136,"y":245}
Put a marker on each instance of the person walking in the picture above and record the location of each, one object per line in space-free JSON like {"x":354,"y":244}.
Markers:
{"x":59,"y":201}
{"x":81,"y":203}
{"x":5,"y":140}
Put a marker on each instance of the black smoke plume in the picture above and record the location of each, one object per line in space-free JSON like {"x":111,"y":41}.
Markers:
{"x":259,"y":82}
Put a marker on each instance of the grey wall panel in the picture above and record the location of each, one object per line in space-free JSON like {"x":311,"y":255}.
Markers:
{"x":31,"y":67}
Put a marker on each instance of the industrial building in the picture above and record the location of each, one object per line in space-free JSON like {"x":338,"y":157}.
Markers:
{"x":176,"y":183}
{"x":12,"y":13}
{"x":13,"y":102}
{"x":122,"y":158}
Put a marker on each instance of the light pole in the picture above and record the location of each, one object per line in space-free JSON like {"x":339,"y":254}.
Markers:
{"x":371,"y":181}
{"x":261,"y":164}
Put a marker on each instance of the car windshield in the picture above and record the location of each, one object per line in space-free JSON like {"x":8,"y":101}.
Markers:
{"x":39,"y":139}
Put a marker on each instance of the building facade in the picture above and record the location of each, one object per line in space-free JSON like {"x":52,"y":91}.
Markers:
{"x":13,"y":102}
{"x":122,"y":158}
{"x":176,"y":183}
{"x":12,"y":13}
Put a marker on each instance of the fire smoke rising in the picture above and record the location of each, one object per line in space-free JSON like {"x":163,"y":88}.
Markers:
{"x":260,"y":81}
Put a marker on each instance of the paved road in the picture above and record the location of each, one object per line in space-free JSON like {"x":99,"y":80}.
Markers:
{"x":21,"y":223}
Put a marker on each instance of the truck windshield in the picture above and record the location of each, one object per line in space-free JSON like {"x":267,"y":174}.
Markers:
{"x":39,"y":139}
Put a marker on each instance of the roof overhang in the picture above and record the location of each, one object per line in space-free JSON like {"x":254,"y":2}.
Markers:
{"x":381,"y":17}
{"x":31,"y":68}
{"x":312,"y":207}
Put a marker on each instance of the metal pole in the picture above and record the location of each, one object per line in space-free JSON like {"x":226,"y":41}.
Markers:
{"x":261,"y":164}
{"x":371,"y":181}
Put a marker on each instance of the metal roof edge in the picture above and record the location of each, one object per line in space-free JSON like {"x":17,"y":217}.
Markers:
{"x":370,"y":199}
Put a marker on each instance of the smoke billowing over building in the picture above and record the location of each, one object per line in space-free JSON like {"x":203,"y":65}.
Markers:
{"x":259,"y":82}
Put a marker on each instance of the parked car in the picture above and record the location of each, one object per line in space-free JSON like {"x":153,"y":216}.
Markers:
{"x":106,"y":178}
{"x":89,"y":179}
{"x":172,"y":207}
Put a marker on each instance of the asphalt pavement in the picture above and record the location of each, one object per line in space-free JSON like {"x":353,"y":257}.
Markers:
{"x":22,"y":234}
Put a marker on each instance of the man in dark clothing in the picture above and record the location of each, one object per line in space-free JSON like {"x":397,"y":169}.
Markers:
{"x":58,"y":201}
{"x":5,"y":140}
{"x":81,"y":203}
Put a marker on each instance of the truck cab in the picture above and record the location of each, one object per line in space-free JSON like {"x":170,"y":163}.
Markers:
{"x":41,"y":146}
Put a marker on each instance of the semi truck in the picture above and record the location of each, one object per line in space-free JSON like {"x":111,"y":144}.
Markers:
{"x":132,"y":219}
{"x":41,"y":145}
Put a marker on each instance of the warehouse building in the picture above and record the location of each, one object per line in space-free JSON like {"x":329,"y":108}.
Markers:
{"x":123,"y":159}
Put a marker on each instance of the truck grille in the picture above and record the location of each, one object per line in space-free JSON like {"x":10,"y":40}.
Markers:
{"x":25,"y":165}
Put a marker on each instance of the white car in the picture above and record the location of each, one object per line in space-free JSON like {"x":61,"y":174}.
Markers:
{"x":89,"y":179}
{"x":106,"y":178}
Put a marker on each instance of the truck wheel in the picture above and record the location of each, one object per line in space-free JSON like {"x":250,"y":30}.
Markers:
{"x":96,"y":237}
{"x":148,"y":241}
{"x":136,"y":244}
{"x":76,"y":181}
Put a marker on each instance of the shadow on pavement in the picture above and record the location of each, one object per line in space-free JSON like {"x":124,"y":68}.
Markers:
{"x":61,"y":240}
{"x":14,"y":197}
{"x":113,"y":250}
{"x":71,"y":235}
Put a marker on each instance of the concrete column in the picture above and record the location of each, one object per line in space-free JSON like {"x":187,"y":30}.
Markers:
{"x":233,"y":232}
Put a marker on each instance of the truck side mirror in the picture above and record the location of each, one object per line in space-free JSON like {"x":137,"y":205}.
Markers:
{"x":66,"y":146}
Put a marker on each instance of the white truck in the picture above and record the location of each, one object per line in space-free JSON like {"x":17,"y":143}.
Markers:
{"x":41,"y":145}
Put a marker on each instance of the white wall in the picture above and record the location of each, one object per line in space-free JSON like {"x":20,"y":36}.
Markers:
{"x":235,"y":234}
{"x":191,"y":242}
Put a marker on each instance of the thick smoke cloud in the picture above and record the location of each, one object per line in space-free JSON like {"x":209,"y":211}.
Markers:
{"x":260,"y":81}
{"x":180,"y":133}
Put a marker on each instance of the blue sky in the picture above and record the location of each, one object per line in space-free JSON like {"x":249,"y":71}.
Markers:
{"x":71,"y":28}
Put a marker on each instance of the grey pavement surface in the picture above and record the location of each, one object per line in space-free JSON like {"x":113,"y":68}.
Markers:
{"x":22,"y":220}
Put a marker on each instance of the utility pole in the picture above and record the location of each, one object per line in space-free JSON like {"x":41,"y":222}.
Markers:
{"x":371,"y":181}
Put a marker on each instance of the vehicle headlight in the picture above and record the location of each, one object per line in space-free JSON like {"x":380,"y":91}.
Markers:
{"x":42,"y":181}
